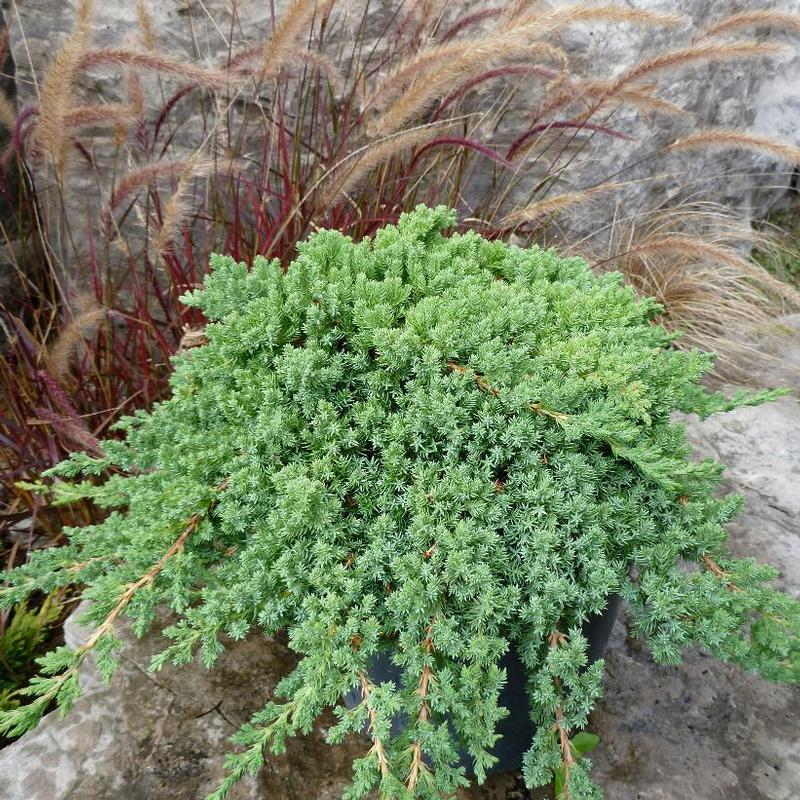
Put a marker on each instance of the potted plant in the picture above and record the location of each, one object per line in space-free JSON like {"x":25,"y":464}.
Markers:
{"x":428,"y":448}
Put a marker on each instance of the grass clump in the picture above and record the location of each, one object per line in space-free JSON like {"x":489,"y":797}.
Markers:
{"x":780,"y":252}
{"x":23,"y":634}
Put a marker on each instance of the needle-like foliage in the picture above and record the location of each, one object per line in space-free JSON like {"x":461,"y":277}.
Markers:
{"x":431,"y":446}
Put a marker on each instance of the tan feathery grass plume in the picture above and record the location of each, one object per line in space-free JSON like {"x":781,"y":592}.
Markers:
{"x":618,"y":90}
{"x":645,"y":101}
{"x":595,"y":94}
{"x":135,"y":92}
{"x":511,"y":11}
{"x":461,"y":63}
{"x":516,"y":35}
{"x":146,"y":175}
{"x":509,"y":40}
{"x":82,"y":326}
{"x":552,"y":205}
{"x":147,"y":31}
{"x":8,"y":114}
{"x":700,"y":249}
{"x":235,"y":62}
{"x":693,"y":54}
{"x":177,"y":207}
{"x":133,"y":83}
{"x":419,"y":64}
{"x":294,"y":20}
{"x":549,"y":21}
{"x":174,"y":212}
{"x":344,"y":179}
{"x":692,"y":260}
{"x":238,"y":63}
{"x":712,"y":139}
{"x":324,"y":64}
{"x":97,"y":114}
{"x":423,"y":12}
{"x":153,"y":62}
{"x":715,"y":308}
{"x":57,"y":92}
{"x":765,"y":18}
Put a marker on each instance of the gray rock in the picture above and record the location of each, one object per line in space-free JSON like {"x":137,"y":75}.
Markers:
{"x":10,"y":178}
{"x":702,"y":730}
{"x":759,"y":96}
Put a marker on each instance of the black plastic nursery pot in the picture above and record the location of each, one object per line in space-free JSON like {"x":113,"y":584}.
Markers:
{"x":517,"y":729}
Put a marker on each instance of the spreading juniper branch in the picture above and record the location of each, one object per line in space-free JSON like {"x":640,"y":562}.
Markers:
{"x":377,"y":744}
{"x":63,"y":687}
{"x":426,"y":676}
{"x":556,"y":639}
{"x":481,"y":381}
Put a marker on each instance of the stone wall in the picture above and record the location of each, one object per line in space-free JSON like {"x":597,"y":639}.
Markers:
{"x":8,"y":205}
{"x":760,"y":96}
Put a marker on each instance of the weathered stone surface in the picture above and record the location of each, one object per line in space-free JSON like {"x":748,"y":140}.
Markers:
{"x":10,"y":179}
{"x":702,"y":730}
{"x":759,"y":96}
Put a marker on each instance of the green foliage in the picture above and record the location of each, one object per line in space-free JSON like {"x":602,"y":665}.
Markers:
{"x":780,"y":253}
{"x":22,"y":639}
{"x":433,"y":447}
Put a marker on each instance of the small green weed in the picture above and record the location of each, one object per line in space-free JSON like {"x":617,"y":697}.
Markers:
{"x":22,"y":640}
{"x":782,"y":259}
{"x":580,"y":744}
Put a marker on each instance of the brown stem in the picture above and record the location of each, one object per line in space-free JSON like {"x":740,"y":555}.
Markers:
{"x":723,"y":576}
{"x":417,"y":764}
{"x":147,"y":579}
{"x":77,"y":567}
{"x":720,"y":573}
{"x":556,"y":639}
{"x":566,"y":747}
{"x":377,"y":744}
